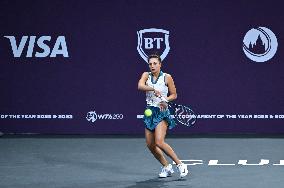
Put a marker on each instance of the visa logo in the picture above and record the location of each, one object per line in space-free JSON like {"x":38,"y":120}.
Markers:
{"x":43,"y":42}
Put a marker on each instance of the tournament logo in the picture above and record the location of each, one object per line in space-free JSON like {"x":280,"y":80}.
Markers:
{"x":260,"y":44}
{"x":153,"y":41}
{"x":92,"y":116}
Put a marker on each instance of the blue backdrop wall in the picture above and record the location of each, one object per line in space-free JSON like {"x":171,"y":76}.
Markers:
{"x":73,"y":66}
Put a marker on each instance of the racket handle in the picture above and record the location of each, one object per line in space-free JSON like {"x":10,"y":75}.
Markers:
{"x":163,"y":98}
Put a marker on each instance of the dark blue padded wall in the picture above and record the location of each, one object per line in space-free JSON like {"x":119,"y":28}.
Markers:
{"x":72,"y":67}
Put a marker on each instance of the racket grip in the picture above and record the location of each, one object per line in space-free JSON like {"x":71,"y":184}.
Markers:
{"x":163,"y":98}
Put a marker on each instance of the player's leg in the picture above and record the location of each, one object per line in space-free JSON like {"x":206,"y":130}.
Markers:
{"x":157,"y":152}
{"x":160,"y":133}
{"x":167,"y":169}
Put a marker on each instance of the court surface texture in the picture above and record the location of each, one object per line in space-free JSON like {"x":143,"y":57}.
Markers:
{"x":114,"y":161}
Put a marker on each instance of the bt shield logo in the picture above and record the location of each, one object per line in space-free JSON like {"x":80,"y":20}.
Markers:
{"x":153,"y":41}
{"x":260,"y":44}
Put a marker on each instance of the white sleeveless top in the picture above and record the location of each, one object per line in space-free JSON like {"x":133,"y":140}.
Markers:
{"x":160,"y":85}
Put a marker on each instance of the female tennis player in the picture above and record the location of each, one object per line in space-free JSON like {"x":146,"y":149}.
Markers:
{"x":157,"y":84}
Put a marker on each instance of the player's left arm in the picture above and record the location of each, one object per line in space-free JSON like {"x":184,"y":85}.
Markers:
{"x":172,"y":88}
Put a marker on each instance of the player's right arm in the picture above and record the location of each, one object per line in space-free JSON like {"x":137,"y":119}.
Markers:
{"x":142,"y":83}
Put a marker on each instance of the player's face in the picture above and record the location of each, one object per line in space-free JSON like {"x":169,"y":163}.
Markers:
{"x":154,"y":65}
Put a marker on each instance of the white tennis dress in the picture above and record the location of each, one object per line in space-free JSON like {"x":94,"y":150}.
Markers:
{"x":159,"y":85}
{"x":153,"y":103}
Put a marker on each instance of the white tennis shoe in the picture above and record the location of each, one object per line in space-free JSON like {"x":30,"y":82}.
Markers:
{"x":182,"y":168}
{"x":166,"y":171}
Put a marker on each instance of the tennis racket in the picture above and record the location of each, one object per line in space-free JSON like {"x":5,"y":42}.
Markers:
{"x":182,"y":114}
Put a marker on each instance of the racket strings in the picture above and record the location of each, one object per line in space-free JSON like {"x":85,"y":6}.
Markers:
{"x":185,"y":115}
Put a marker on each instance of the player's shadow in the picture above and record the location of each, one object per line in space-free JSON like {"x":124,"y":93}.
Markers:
{"x":155,"y":183}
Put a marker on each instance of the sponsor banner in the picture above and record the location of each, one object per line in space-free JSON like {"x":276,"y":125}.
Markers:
{"x":35,"y":116}
{"x":232,"y":116}
{"x":227,"y":67}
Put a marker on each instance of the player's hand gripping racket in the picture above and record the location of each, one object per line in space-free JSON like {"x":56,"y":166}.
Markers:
{"x":183,"y":114}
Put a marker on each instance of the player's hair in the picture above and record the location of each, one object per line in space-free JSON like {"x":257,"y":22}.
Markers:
{"x":154,"y":56}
